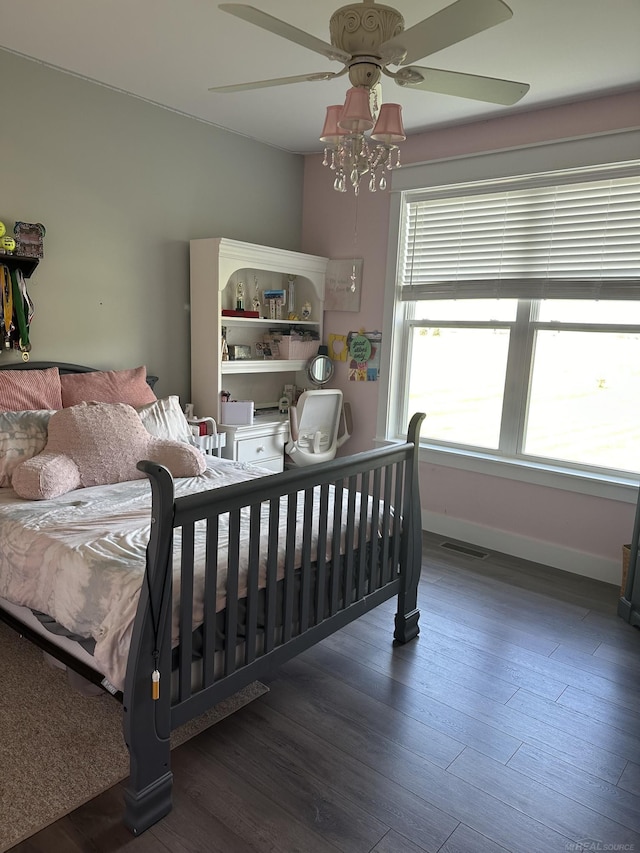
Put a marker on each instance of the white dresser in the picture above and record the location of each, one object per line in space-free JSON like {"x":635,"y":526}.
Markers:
{"x":260,"y":443}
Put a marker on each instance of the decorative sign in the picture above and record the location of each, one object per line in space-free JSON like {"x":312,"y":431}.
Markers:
{"x":359,"y":348}
{"x":364,"y":355}
{"x":343,"y":284}
{"x":337,"y":347}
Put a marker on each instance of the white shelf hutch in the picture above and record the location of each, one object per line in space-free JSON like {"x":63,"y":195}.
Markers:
{"x":217,"y":265}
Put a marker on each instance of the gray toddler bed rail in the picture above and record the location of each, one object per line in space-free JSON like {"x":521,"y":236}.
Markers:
{"x":341,"y":538}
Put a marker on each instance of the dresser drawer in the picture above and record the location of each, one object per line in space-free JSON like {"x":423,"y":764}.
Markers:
{"x":260,"y":443}
{"x":275,"y":465}
{"x":258,"y":450}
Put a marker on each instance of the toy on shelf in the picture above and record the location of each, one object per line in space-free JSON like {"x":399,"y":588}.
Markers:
{"x":256,"y":302}
{"x":7,"y":243}
{"x":275,"y":301}
{"x":240,"y":296}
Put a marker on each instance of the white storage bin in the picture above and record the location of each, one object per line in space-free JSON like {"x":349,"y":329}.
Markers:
{"x":237,"y":412}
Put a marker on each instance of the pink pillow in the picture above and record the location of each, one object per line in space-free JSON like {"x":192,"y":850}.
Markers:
{"x":106,"y":386}
{"x":95,"y":444}
{"x":30,"y":389}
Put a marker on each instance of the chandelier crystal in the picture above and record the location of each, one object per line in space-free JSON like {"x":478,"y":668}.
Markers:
{"x":351,"y":154}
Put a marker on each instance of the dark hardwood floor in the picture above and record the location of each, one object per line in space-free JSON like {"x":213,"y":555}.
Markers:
{"x":511,"y":724}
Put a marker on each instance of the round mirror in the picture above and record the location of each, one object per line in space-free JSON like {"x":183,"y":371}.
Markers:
{"x":320,"y":369}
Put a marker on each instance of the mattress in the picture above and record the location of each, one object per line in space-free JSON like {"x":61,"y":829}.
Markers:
{"x":80,"y":558}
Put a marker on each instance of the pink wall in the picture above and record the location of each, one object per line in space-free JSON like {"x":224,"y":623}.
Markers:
{"x":336,"y":237}
{"x":337,"y":225}
{"x":565,"y":519}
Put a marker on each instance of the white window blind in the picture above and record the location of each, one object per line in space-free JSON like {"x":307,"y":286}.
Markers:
{"x":573,"y":240}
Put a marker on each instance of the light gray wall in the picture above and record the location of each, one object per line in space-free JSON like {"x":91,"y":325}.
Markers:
{"x":121,"y":187}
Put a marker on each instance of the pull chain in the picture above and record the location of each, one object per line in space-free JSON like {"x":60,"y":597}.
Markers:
{"x":354,"y":275}
{"x":155,"y":622}
{"x":155,"y":677}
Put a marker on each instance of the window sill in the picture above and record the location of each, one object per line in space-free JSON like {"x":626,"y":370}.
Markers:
{"x":623,"y":489}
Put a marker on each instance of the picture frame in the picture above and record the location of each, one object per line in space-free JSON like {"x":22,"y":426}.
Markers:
{"x":343,"y":285}
{"x":29,"y":238}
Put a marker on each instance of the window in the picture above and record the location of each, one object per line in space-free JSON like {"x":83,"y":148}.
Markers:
{"x":518,"y":319}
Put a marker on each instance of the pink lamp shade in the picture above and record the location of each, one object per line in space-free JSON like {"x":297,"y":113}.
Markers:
{"x":356,"y":114}
{"x":389,"y":128}
{"x":331,"y":133}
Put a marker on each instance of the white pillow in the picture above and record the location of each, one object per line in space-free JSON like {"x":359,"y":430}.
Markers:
{"x":22,"y":435}
{"x":165,"y":419}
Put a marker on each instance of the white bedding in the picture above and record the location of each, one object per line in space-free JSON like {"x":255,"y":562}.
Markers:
{"x":80,"y":558}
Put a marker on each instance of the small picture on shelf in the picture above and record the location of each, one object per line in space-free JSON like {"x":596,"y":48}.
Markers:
{"x":271,"y":346}
{"x":267,"y":350}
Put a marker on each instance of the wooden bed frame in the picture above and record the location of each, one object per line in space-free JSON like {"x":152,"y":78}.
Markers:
{"x":301,"y":601}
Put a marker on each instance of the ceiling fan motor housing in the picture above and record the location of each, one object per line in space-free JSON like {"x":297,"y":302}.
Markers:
{"x":359,"y":29}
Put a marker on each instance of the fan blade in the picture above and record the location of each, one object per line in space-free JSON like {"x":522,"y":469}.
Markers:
{"x":278,"y":81}
{"x":491,"y":89}
{"x":281,"y":28}
{"x":450,"y":25}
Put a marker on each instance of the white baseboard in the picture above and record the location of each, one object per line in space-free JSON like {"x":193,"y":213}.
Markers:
{"x":547,"y":553}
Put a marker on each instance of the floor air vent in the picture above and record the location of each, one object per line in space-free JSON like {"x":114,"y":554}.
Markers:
{"x":464,"y":549}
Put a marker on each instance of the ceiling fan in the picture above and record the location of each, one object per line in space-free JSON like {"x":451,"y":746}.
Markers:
{"x":368,"y":37}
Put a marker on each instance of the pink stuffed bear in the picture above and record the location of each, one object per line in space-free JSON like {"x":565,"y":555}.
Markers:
{"x":94,"y":444}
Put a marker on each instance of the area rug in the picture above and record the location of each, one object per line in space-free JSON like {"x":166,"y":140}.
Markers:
{"x":58,"y":748}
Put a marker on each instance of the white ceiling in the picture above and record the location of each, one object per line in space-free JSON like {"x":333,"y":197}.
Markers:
{"x":171,"y":51}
